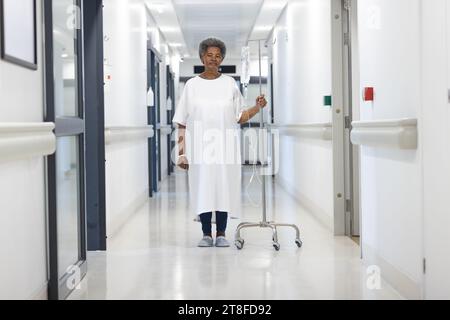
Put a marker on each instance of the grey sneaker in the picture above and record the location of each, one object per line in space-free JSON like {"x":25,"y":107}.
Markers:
{"x":222,"y":242}
{"x":206,"y":242}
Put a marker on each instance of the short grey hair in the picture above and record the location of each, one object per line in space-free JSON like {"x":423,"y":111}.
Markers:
{"x":212,"y":42}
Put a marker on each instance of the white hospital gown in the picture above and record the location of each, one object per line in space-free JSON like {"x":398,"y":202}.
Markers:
{"x":210,"y":110}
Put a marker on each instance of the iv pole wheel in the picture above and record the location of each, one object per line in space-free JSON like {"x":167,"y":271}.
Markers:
{"x":276,"y":246}
{"x":239,"y":244}
{"x":299,"y":243}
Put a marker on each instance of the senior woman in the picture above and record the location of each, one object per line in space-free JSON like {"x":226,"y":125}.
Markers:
{"x":209,"y":115}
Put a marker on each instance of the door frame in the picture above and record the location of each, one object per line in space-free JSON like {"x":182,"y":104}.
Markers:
{"x":170,"y":114}
{"x":150,"y":121}
{"x":157,"y":85}
{"x":354,"y":113}
{"x":345,"y":77}
{"x":94,"y":125}
{"x":154,"y":118}
{"x":64,"y":126}
{"x":351,"y":113}
{"x":337,"y":40}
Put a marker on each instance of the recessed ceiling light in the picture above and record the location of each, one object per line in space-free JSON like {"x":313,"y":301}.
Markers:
{"x":275,"y":4}
{"x":168,"y":29}
{"x":158,"y":7}
{"x":263,"y":28}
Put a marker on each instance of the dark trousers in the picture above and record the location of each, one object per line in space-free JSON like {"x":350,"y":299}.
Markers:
{"x":221,"y":221}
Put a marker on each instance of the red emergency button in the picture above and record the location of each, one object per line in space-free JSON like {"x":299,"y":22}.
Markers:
{"x":369,"y":94}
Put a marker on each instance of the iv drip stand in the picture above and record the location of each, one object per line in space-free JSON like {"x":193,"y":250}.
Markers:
{"x":239,"y":241}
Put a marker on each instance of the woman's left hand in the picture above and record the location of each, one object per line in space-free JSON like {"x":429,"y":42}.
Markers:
{"x":261,"y":101}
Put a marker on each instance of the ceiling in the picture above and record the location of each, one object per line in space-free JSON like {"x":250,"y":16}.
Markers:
{"x":230,"y":20}
{"x":185,"y":23}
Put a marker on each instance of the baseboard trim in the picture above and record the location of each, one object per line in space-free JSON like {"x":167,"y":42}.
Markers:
{"x":319,"y":214}
{"x":404,"y":285}
{"x":165,"y":175}
{"x":121,"y":218}
{"x":41,"y":293}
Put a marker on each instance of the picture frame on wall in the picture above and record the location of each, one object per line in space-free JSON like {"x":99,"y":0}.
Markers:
{"x":18,"y":42}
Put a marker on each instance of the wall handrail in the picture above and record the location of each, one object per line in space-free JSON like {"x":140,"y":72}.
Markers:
{"x":20,"y":141}
{"x":118,"y":134}
{"x":166,"y":129}
{"x":395,"y":134}
{"x":316,"y":131}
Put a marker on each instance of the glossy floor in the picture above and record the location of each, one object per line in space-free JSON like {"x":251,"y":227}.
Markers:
{"x":154,"y":256}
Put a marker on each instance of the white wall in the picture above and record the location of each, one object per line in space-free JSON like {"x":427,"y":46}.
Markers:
{"x":302,"y":77}
{"x":23,"y":271}
{"x":171,"y":59}
{"x":176,"y":68}
{"x":163,"y":72}
{"x":125,"y":105}
{"x":391,"y":180}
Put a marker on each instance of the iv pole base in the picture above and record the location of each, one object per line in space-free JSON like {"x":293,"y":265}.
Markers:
{"x":240,"y":242}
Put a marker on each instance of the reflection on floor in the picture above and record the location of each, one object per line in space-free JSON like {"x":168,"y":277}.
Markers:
{"x":154,"y":256}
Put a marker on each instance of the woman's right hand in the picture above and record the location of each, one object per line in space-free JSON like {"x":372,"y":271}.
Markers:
{"x":183,"y":163}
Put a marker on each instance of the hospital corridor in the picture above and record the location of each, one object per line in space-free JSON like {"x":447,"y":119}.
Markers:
{"x":224,"y":150}
{"x":156,"y":257}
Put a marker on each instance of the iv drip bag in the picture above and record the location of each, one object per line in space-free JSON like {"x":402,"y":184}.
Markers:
{"x":245,"y":59}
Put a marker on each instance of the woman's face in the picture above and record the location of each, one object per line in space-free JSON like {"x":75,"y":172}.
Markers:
{"x":212,"y":59}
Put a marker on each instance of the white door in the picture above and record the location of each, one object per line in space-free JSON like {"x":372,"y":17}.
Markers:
{"x":436,"y":148}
